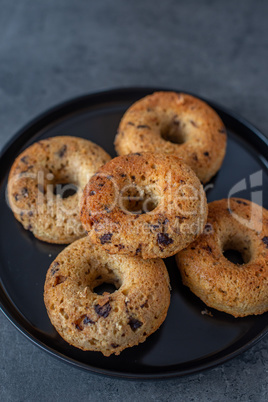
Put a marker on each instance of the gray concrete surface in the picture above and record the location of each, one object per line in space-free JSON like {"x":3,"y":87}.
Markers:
{"x":52,"y":50}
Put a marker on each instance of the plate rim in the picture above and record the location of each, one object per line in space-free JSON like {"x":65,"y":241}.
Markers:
{"x":124,"y":90}
{"x":134,"y":376}
{"x":40,"y":120}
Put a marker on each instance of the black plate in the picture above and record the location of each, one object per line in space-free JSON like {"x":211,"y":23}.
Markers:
{"x":188,"y":341}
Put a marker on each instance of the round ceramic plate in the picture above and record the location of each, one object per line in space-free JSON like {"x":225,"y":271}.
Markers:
{"x":189,"y":340}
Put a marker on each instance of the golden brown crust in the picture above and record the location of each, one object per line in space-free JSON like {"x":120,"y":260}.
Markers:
{"x":175,"y":116}
{"x":239,"y":290}
{"x":108,"y":323}
{"x":32,"y":181}
{"x":114,"y":202}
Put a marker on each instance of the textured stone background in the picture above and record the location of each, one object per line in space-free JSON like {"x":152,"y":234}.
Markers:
{"x":52,"y":50}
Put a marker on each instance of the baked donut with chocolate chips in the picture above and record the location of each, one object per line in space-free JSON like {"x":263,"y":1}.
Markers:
{"x":108,"y":322}
{"x":240,"y":288}
{"x":175,"y":123}
{"x":46,"y":182}
{"x":146,"y":204}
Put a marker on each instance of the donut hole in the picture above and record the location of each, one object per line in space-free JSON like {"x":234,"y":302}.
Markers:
{"x":106,"y":283}
{"x":237,"y":250}
{"x":172,"y":132}
{"x":105,"y":287}
{"x":138,"y":200}
{"x":234,"y":256}
{"x":65,"y":190}
{"x":59,"y":184}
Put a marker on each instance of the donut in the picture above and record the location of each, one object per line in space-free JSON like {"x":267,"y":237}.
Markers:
{"x":108,"y":322}
{"x":175,"y":123}
{"x":236,"y":289}
{"x":60,"y":163}
{"x":146,"y":204}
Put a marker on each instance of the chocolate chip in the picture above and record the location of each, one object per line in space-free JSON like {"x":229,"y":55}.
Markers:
{"x":114,"y":345}
{"x":133,"y":177}
{"x":62,"y":151}
{"x":121,"y":246}
{"x":92,"y":192}
{"x":24,"y":159}
{"x":26,"y":170}
{"x":241,"y":202}
{"x":181,"y":218}
{"x":193,"y":123}
{"x":99,"y":277}
{"x":30,"y":213}
{"x":123,"y":175}
{"x":145,"y":304}
{"x":29,"y":227}
{"x":41,"y":188}
{"x":134,"y":323}
{"x":143,"y":126}
{"x":138,"y":250}
{"x":164,"y":240}
{"x":130,"y":123}
{"x":16,"y":196}
{"x":54,"y":268}
{"x":103,"y":311}
{"x":176,"y":121}
{"x":222,"y":131}
{"x":206,"y":153}
{"x":265,"y":240}
{"x":137,"y":153}
{"x":88,"y":320}
{"x":24,"y":192}
{"x":106,"y":238}
{"x":208,"y":248}
{"x":107,"y":209}
{"x":84,"y":320}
